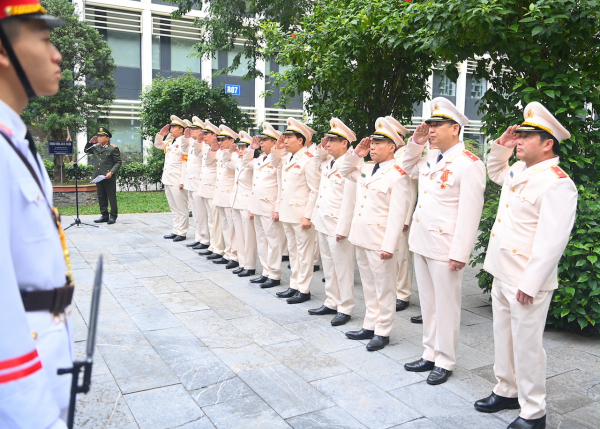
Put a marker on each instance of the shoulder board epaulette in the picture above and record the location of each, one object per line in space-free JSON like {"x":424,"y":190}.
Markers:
{"x":310,"y":155}
{"x":6,"y":130}
{"x":471,"y":156}
{"x":400,"y":170}
{"x":370,"y":162}
{"x":112,"y":145}
{"x":559,"y":172}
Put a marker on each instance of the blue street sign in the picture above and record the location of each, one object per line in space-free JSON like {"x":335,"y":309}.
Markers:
{"x":235,"y":90}
{"x":60,"y":147}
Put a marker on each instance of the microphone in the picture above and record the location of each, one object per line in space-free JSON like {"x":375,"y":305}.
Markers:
{"x":91,"y":147}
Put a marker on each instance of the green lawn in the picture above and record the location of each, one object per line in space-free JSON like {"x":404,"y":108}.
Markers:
{"x":129,"y":202}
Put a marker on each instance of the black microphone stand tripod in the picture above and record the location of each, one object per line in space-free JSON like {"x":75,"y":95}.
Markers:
{"x":78,"y":221}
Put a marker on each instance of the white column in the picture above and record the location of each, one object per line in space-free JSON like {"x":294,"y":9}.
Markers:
{"x":80,"y":140}
{"x":146,"y":48}
{"x":206,"y":70}
{"x":461,"y":91}
{"x":259,"y":89}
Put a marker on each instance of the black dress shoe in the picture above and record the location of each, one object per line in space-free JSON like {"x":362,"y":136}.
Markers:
{"x":260,"y":279}
{"x":298,"y":298}
{"x":200,"y":246}
{"x":190,"y":214}
{"x":363,"y":334}
{"x":230,"y":264}
{"x":401,"y":305}
{"x":221,"y":261}
{"x":169,"y":237}
{"x":321,"y":311}
{"x":495,"y":403}
{"x":100,"y":220}
{"x":416,"y":319}
{"x":247,"y":273}
{"x":377,"y":343}
{"x":438,"y":376}
{"x":286,"y":293}
{"x":111,"y":221}
{"x":205,"y":253}
{"x":285,"y":258}
{"x":340,"y":319}
{"x":270,"y":283}
{"x":316,"y":267}
{"x":179,"y":238}
{"x":323,"y":279}
{"x":420,"y":365}
{"x":195,"y":243}
{"x":289,"y":266}
{"x":521,"y":423}
{"x":237,"y":270}
{"x":214,"y":256}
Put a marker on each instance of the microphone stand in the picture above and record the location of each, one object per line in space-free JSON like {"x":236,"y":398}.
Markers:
{"x":78,"y":221}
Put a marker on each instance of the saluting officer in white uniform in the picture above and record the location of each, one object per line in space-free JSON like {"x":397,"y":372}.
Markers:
{"x":216,"y":250}
{"x":245,"y":234}
{"x":405,"y":257}
{"x":443,"y":231}
{"x":35,"y":339}
{"x":535,"y":217}
{"x":264,"y":204}
{"x":299,"y":190}
{"x":312,"y":148}
{"x":175,"y":149}
{"x":332,"y":218}
{"x":383,"y":195}
{"x":192,"y":181}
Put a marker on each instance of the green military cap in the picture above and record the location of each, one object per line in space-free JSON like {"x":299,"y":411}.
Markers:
{"x":104,"y":131}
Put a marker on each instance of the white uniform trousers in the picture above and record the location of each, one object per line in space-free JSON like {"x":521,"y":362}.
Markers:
{"x":378,"y":278}
{"x":217,"y":243}
{"x":270,"y":241}
{"x":200,"y":218}
{"x":338,"y":267}
{"x":439,"y":294}
{"x":520,"y":365}
{"x":405,"y":270}
{"x":284,"y":245}
{"x":301,"y":245}
{"x":178,"y":203}
{"x":245,"y":238}
{"x":317,"y":252}
{"x":228,"y":229}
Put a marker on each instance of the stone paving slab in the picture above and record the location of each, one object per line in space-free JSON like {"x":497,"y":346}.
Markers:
{"x":184,"y":343}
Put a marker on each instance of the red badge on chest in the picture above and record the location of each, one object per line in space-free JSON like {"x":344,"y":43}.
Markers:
{"x":444,"y":177}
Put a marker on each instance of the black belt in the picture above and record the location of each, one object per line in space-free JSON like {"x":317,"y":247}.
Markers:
{"x":54,"y":300}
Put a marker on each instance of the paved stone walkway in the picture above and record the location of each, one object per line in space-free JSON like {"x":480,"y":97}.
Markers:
{"x":184,"y":343}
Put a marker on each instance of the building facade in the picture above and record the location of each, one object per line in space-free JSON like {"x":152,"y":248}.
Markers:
{"x":147,"y":42}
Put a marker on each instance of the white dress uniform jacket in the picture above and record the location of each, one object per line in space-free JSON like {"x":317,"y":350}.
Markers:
{"x":245,"y":234}
{"x":32,"y":346}
{"x":207,"y":193}
{"x":175,"y":154}
{"x":192,"y":183}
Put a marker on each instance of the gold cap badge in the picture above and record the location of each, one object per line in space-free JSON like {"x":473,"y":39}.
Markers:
{"x":436,"y":106}
{"x":530,"y":113}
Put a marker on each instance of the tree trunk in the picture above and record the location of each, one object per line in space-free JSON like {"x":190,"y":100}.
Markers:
{"x":58,"y":163}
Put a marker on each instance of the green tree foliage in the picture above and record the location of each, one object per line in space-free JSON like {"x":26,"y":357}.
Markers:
{"x":86,"y":58}
{"x":351,"y":58}
{"x":230,"y":21}
{"x":546,"y":51}
{"x":185,"y":96}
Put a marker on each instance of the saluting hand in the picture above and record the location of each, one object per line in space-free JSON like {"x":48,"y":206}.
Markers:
{"x":164,"y":130}
{"x":324,"y":141}
{"x":94,"y":140}
{"x":280,"y":142}
{"x":214,"y":145}
{"x":187,"y":133}
{"x":509,"y":138}
{"x":421,"y":134}
{"x":233,"y":148}
{"x":362,"y":149}
{"x":255,"y":143}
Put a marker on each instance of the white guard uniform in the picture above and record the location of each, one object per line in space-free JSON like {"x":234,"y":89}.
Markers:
{"x":226,"y":162}
{"x":312,"y":149}
{"x":32,"y":345}
{"x":191,"y":182}
{"x":207,"y":193}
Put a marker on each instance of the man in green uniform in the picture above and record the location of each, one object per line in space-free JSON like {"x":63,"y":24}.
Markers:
{"x":107,"y":158}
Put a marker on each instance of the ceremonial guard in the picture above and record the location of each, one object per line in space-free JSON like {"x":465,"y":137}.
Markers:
{"x":245,"y":234}
{"x":312,"y":148}
{"x":443,"y":230}
{"x":36,"y":337}
{"x":264,"y":204}
{"x":332,"y":218}
{"x":535,"y":217}
{"x":107,"y":158}
{"x":226,"y":160}
{"x":383,"y":196}
{"x":299,"y":191}
{"x":216,"y":250}
{"x":192,"y":181}
{"x":175,"y":149}
{"x":405,"y":257}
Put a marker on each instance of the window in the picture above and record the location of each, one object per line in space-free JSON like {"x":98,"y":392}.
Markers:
{"x":447,"y":87}
{"x":127,"y":136}
{"x":180,"y":56}
{"x":156,"y":52}
{"x":125,"y":48}
{"x":478,"y":88}
{"x":243,"y":67}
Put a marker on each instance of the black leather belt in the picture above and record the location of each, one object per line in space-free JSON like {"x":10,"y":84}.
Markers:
{"x":54,"y":300}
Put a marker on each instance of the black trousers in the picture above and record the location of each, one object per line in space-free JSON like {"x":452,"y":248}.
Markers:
{"x":107,"y":191}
